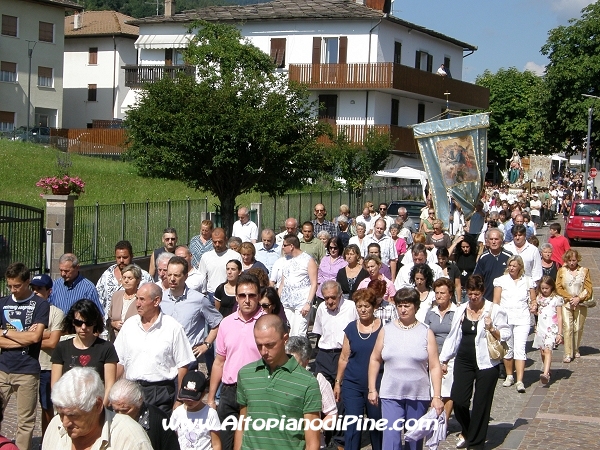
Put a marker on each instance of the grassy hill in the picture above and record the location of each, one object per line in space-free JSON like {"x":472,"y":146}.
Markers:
{"x":107,"y":182}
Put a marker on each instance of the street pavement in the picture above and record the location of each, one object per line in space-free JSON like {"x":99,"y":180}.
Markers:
{"x":562,"y":415}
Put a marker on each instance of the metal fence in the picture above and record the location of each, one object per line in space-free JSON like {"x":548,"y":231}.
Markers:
{"x":275,"y":210}
{"x":98,"y":228}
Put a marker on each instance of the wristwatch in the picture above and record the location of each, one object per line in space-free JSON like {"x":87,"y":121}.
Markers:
{"x":4,"y":332}
{"x":208,"y":344}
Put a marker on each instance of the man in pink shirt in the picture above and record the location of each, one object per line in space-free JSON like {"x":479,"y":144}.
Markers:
{"x":235,"y":347}
{"x":560,"y":244}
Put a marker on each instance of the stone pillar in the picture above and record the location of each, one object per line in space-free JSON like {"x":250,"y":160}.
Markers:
{"x":60,"y":218}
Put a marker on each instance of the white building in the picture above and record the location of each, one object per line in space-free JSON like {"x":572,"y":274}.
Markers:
{"x":367,"y":68}
{"x":32,"y":28}
{"x":97,"y":45}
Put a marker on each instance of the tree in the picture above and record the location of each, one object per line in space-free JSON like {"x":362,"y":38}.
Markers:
{"x":574,"y":69}
{"x":515,"y":121}
{"x":236,"y":127}
{"x":356,"y":163}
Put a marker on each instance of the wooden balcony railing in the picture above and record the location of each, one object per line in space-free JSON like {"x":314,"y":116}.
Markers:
{"x":136,"y":76}
{"x":402,"y":137}
{"x":390,"y":76}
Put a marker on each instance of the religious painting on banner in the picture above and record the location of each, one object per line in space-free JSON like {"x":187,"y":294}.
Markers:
{"x":454,"y":153}
{"x":540,"y":169}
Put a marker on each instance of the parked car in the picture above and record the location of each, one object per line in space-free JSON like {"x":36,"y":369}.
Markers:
{"x":40,"y":135}
{"x":583,"y":221}
{"x":413,"y":208}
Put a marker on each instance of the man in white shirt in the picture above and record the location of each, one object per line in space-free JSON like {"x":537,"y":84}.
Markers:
{"x":528,"y":252}
{"x":213,"y":265}
{"x":244,"y":228}
{"x":267,"y":251}
{"x":419,"y":255}
{"x":367,"y":220}
{"x":389,"y":254}
{"x":383,"y":216}
{"x":291,"y":227}
{"x":193,"y":280}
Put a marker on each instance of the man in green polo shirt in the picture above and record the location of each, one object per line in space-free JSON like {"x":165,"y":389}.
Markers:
{"x":274,"y":389}
{"x":310,"y":244}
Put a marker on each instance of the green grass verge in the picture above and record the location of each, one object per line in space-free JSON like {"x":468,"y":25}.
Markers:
{"x":106,"y":181}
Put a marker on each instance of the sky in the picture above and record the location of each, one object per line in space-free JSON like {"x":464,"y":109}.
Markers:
{"x":507,"y":33}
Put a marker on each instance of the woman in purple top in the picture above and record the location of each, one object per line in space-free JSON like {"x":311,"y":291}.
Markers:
{"x":332,"y":263}
{"x":409,"y":351}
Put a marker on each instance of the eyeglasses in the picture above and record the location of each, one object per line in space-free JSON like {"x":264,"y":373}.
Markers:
{"x":431,"y":213}
{"x":265,"y":305}
{"x":331,"y":297}
{"x":332,"y":248}
{"x":250,"y":296}
{"x":382,"y":209}
{"x":79,"y":323}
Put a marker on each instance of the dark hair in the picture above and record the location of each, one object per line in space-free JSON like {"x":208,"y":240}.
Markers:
{"x":180,"y":261}
{"x":418,"y":249}
{"x":365,"y":295}
{"x":354,"y":248}
{"x":170,"y":230}
{"x":271,"y":293}
{"x":124,"y":245}
{"x":519,"y":229}
{"x":237,"y":263}
{"x":555,"y":226}
{"x":263,"y":278}
{"x":338,"y":242}
{"x":292,"y":239}
{"x":534,"y":241}
{"x":18,"y":270}
{"x":424,"y":270}
{"x":374,"y":244}
{"x":246,"y":278}
{"x":378,"y":286}
{"x":443,"y":252}
{"x":308,"y":222}
{"x":475,"y":283}
{"x":444,"y":282}
{"x":88,"y":311}
{"x":408,"y":295}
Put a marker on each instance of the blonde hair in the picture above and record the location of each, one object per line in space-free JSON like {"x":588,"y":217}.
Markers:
{"x":519,"y":261}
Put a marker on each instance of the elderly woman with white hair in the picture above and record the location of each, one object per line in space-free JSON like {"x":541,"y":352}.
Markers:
{"x":126,"y":397}
{"x":549,"y":266}
{"x":82,"y":421}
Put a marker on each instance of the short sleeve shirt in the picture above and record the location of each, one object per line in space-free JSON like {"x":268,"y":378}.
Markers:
{"x":101,"y":352}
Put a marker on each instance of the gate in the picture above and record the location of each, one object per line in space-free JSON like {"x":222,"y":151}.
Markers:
{"x":21,"y":238}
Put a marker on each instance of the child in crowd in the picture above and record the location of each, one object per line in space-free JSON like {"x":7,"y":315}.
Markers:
{"x":549,"y":327}
{"x":197,"y":425}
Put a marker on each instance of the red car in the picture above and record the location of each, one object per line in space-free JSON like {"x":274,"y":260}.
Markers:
{"x":583,"y":221}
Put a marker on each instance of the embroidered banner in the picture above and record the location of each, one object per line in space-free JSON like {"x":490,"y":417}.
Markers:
{"x":454,"y":153}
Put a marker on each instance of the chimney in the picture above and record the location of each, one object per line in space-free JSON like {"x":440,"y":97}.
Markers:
{"x":169,"y":4}
{"x":77,"y":21}
{"x":384,"y":6}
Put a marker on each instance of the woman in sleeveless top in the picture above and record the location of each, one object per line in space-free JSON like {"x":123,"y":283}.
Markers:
{"x":573,"y":283}
{"x":408,"y":349}
{"x":351,"y":384}
{"x":467,"y":343}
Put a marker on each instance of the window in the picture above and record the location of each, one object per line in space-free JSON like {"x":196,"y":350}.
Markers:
{"x":8,"y":71}
{"x":423,"y":61}
{"x":92,"y":91}
{"x":330,"y":50}
{"x":327,"y":106}
{"x":93,"y":55}
{"x":7,"y":121}
{"x":45,"y":76}
{"x":397,"y":52}
{"x":395,"y":110}
{"x":168,"y":56}
{"x":9,"y":25}
{"x":278,"y":52}
{"x":421,"y":113}
{"x":46,"y":33}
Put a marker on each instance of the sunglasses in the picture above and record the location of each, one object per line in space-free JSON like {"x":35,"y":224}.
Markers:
{"x":250,"y":296}
{"x":332,"y":248}
{"x":382,"y":209}
{"x":79,"y":323}
{"x":265,"y":305}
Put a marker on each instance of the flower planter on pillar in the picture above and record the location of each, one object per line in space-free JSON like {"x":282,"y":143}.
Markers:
{"x":60,"y":217}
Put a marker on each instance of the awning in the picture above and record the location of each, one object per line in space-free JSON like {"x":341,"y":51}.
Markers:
{"x":157,"y":41}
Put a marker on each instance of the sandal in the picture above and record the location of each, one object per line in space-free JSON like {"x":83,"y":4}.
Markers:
{"x":567,"y":359}
{"x":577,"y":355}
{"x":545,"y":378}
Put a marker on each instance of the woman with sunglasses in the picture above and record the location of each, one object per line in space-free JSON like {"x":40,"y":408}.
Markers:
{"x":225,"y":293}
{"x":427,"y":224}
{"x":331,"y":263}
{"x":270,"y":303}
{"x":86,"y":349}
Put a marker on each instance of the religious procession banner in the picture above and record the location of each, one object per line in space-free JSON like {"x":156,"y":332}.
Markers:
{"x":540,"y":169}
{"x":454,"y":153}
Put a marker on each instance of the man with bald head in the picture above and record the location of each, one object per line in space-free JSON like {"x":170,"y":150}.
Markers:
{"x":320,"y":223}
{"x":517,"y":219}
{"x":193,"y":280}
{"x":291,"y":227}
{"x":244,"y":228}
{"x":293,"y":392}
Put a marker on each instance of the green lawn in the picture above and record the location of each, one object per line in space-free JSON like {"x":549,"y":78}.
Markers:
{"x":106,"y":181}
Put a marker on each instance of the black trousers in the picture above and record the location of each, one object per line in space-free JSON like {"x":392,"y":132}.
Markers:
{"x":475,"y":424}
{"x":326,"y":364}
{"x":160,"y":394}
{"x":228,"y":406}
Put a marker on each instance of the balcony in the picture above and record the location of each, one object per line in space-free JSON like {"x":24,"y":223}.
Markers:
{"x":390,"y":76}
{"x":403,"y":137}
{"x":136,"y":76}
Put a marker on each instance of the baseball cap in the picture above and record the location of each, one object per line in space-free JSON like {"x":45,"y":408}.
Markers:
{"x":192,"y":386}
{"x":42,"y":281}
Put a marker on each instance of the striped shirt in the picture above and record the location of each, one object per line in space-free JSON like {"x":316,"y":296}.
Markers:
{"x":63,"y":296}
{"x":289,"y":390}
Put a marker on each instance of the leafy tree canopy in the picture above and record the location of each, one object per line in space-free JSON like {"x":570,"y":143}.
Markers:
{"x":236,"y":127}
{"x":515,"y":121}
{"x":574,"y":69}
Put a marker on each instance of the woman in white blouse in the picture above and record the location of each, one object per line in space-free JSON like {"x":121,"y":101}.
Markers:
{"x":514,"y":292}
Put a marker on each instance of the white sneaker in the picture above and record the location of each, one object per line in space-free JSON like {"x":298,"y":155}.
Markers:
{"x":510,"y":380}
{"x":520,"y":387}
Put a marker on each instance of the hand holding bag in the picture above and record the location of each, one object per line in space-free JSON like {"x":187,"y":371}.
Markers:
{"x":497,"y":349}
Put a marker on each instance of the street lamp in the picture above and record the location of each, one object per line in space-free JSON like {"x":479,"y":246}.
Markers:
{"x":30,"y":54}
{"x":589,"y":140}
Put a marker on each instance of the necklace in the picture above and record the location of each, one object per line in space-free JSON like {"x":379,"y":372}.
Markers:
{"x":476,"y":315}
{"x":407,"y":327}
{"x":133,"y":297}
{"x":360,"y":334}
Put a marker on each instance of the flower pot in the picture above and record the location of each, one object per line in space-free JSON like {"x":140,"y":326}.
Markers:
{"x":61,"y":190}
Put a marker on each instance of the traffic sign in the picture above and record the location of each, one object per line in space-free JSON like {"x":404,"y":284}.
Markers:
{"x":593,"y":172}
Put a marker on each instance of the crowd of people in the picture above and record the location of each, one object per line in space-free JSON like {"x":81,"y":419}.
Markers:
{"x":402,"y":315}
